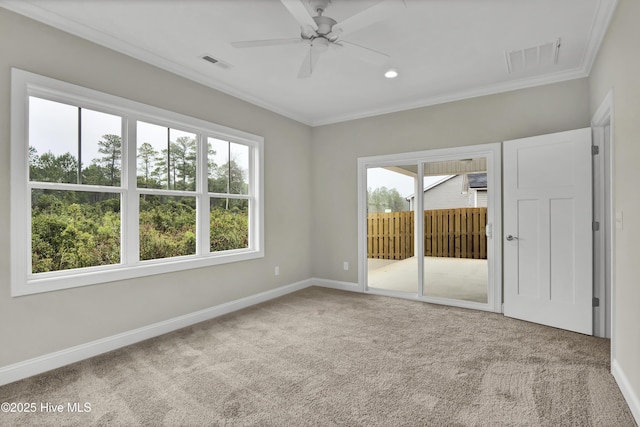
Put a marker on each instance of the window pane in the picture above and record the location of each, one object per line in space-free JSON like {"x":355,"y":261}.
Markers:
{"x":56,"y":150}
{"x":101,"y":154}
{"x":167,"y":226}
{"x":74,"y":229}
{"x":238,"y":169}
{"x":182,"y":160}
{"x":166,"y":158}
{"x":229,"y":224}
{"x":152,"y":139}
{"x":228,"y":167}
{"x":218,"y":158}
{"x":53,"y":141}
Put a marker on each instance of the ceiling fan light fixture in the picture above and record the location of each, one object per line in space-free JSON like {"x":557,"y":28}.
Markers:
{"x":391,"y":73}
{"x":319,"y":44}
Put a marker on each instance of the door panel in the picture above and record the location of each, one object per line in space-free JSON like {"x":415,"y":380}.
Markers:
{"x":562,"y":259}
{"x":391,"y":261}
{"x":528,"y":248}
{"x":456,"y":264}
{"x":557,"y":172}
{"x":548,"y":214}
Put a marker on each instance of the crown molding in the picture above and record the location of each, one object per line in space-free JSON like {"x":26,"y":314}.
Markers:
{"x":600,"y":24}
{"x":599,"y":27}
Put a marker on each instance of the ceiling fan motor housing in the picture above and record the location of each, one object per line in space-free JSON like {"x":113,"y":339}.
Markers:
{"x":325,"y":24}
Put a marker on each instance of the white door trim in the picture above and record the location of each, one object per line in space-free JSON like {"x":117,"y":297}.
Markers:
{"x":605,"y":286}
{"x":493,"y":154}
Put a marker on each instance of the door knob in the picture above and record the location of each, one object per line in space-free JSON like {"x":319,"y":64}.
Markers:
{"x":510,"y":237}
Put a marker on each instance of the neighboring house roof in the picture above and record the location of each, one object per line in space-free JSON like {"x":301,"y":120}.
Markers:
{"x":435,"y":184}
{"x":477,"y":180}
{"x":432,"y":185}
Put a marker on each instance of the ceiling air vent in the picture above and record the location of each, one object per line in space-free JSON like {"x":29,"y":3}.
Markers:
{"x":210,"y":59}
{"x":216,"y":62}
{"x":533,"y":57}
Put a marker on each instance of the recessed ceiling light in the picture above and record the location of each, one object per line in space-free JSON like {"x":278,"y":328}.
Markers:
{"x":391,"y":74}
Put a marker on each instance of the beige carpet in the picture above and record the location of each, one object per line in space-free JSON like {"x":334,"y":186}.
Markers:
{"x":323,"y":357}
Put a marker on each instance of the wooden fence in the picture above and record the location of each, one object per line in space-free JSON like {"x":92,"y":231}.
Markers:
{"x":453,"y":233}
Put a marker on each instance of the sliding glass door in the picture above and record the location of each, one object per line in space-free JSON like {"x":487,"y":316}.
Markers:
{"x":427,"y":225}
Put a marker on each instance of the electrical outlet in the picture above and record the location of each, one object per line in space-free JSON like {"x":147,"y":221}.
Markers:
{"x":277,"y":270}
{"x":345,"y":266}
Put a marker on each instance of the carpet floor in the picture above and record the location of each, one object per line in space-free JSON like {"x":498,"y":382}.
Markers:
{"x":321,"y":357}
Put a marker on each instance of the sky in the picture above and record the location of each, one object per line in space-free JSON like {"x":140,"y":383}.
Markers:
{"x":53,"y":127}
{"x":380,"y":177}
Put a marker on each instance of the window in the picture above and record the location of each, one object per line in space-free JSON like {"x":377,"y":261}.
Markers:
{"x":103,"y":188}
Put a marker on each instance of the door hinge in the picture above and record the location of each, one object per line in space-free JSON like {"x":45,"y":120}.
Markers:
{"x":595,"y":302}
{"x":595,"y":150}
{"x":595,"y":225}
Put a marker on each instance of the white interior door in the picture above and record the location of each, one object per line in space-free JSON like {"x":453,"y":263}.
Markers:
{"x":548,"y":275}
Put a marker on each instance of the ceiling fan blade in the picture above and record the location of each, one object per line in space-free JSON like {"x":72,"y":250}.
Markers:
{"x":367,"y":54}
{"x":270,"y":42}
{"x":368,"y":17}
{"x":300,"y":12}
{"x":308,"y":64}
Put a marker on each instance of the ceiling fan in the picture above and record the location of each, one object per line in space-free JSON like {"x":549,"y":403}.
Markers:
{"x":322,"y":32}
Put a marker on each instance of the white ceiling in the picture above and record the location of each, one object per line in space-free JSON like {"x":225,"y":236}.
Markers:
{"x":444,"y":50}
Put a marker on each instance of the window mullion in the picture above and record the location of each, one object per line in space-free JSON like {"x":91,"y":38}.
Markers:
{"x":61,"y":186}
{"x":230,"y":196}
{"x":162,"y":192}
{"x":79,"y":172}
{"x":202,"y":203}
{"x":131,"y":200}
{"x":256,"y":218}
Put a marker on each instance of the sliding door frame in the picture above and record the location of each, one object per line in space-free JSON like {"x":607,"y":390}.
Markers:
{"x":492,"y":152}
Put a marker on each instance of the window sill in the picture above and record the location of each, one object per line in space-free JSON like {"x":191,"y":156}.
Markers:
{"x":47,"y":282}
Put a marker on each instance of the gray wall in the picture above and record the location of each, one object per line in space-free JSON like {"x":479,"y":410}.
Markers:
{"x":495,"y":118}
{"x":39,"y":324}
{"x":617,"y":67}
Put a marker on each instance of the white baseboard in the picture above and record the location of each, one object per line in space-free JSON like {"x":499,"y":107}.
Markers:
{"x":335,"y":284}
{"x":627,"y":391}
{"x":37,"y":365}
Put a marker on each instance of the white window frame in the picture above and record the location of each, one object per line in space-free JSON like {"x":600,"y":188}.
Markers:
{"x":25,"y":84}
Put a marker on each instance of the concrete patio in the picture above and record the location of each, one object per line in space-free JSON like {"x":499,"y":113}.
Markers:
{"x":455,"y":278}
